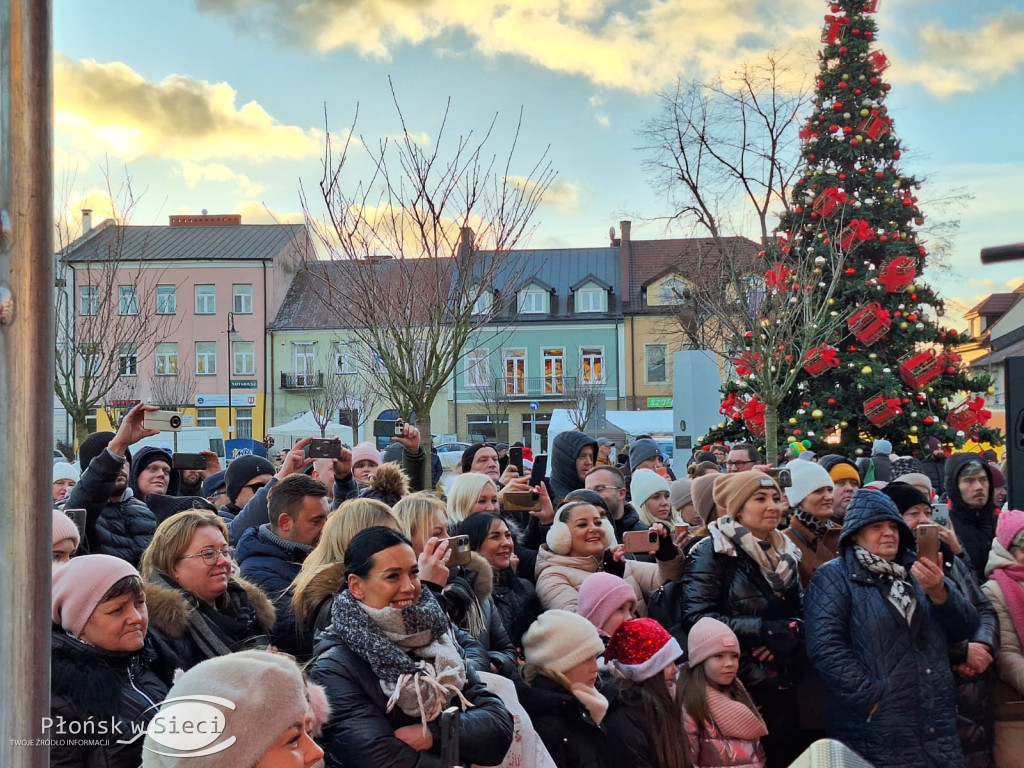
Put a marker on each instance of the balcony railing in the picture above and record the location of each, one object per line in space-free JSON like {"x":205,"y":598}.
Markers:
{"x":314,"y":380}
{"x":536,"y":387}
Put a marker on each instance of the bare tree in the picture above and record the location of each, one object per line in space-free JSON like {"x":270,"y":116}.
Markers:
{"x":724,"y":149}
{"x":106,"y":317}
{"x":420,"y":246}
{"x":177,"y":391}
{"x":492,"y":394}
{"x":340,"y":392}
{"x":121,"y":397}
{"x":585,"y":396}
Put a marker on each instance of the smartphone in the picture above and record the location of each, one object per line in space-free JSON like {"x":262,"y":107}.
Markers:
{"x":450,"y":737}
{"x":782,"y":476}
{"x":78,"y":518}
{"x":521,"y":501}
{"x":928,"y":543}
{"x":188,"y":461}
{"x":515,"y":458}
{"x":325,"y":448}
{"x":164,"y":421}
{"x":640,"y":541}
{"x":940,"y":514}
{"x":387,"y":427}
{"x":540,"y":469}
{"x":459,"y":547}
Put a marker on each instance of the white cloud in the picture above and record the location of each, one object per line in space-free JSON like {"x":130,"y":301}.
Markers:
{"x":563,"y":196}
{"x":197,"y":173}
{"x":603,"y":120}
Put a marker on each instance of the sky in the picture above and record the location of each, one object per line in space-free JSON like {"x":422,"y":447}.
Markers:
{"x":224,"y":105}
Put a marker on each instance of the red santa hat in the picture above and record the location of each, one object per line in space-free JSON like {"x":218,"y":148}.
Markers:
{"x":641,"y":649}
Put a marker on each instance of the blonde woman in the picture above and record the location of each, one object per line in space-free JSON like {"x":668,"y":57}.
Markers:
{"x":651,"y":496}
{"x":471,"y":493}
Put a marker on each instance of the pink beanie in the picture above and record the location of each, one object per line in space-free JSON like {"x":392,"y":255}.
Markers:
{"x":80,"y":584}
{"x":601,"y":594}
{"x":64,"y":528}
{"x":1009,"y":525}
{"x":365,"y":452}
{"x":708,"y":637}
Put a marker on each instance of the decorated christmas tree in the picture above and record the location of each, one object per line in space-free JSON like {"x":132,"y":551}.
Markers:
{"x":889,"y":371}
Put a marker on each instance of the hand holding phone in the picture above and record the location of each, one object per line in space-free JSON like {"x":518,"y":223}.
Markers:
{"x":928,"y":543}
{"x":641,"y":542}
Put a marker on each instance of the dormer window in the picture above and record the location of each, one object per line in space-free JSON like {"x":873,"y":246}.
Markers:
{"x":591,"y":297}
{"x":673,"y":290}
{"x":534,"y":300}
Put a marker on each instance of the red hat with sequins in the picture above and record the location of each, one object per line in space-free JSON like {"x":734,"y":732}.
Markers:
{"x":641,"y":649}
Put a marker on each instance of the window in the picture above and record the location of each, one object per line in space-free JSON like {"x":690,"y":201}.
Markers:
{"x":90,"y":421}
{"x":206,"y":299}
{"x":756,"y":292}
{"x":673,"y":290}
{"x":243,"y":423}
{"x":241,"y":299}
{"x":244,"y":358}
{"x":482,"y":430}
{"x":533,"y":300}
{"x":166,"y":355}
{"x":206,"y":358}
{"x":127,"y":300}
{"x":655,"y":371}
{"x":515,"y":372}
{"x":90,"y":356}
{"x":206,"y":417}
{"x":128,"y":360}
{"x":592,"y":365}
{"x":554,"y":370}
{"x":166,"y":300}
{"x":343,"y":362}
{"x":478,"y":371}
{"x":591,"y":298}
{"x":484,"y":303}
{"x":305,"y":363}
{"x":89,"y":300}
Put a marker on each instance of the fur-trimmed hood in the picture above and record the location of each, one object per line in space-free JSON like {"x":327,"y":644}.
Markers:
{"x":388,"y":483}
{"x":327,"y":582}
{"x":169,"y":609}
{"x":480,"y":574}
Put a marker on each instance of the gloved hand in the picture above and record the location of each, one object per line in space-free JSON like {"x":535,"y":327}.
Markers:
{"x":666,"y":549}
{"x":781,"y":637}
{"x":613,"y":566}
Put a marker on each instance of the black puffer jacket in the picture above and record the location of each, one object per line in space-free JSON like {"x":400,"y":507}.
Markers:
{"x":516,"y":601}
{"x":629,"y":735}
{"x":565,"y":449}
{"x":974,"y":527}
{"x":565,"y":726}
{"x":120,"y":528}
{"x":870,"y":657}
{"x":146,"y":456}
{"x":361,"y":732}
{"x":935,"y":471}
{"x":88,"y":683}
{"x":733,"y":590}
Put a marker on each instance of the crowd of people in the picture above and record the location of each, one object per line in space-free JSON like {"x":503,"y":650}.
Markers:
{"x":611,"y":614}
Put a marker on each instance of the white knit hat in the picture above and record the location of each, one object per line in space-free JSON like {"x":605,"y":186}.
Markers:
{"x":269,"y":696}
{"x":64,"y":471}
{"x":560,"y":640}
{"x":646,"y":483}
{"x":807,"y":478}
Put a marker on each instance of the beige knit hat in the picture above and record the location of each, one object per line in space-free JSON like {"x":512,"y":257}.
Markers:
{"x":560,"y":640}
{"x":64,"y":528}
{"x":708,"y":637}
{"x":732,"y":491}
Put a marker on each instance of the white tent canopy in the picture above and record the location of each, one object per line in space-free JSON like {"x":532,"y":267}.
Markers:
{"x":632,"y":423}
{"x":286,"y":435}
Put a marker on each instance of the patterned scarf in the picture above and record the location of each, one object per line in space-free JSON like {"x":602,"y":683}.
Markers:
{"x":777,"y":557}
{"x":410,"y":650}
{"x":818,"y":528}
{"x":900,"y":591}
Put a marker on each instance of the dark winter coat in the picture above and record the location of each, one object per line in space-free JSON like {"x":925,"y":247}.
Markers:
{"x":565,"y":726}
{"x":146,"y":456}
{"x":882,"y":464}
{"x":88,"y":683}
{"x":630,"y":521}
{"x":244,"y":605}
{"x":361,"y":732}
{"x":271,"y":563}
{"x":629,"y":737}
{"x":869,"y":656}
{"x":565,"y":449}
{"x":935,"y":470}
{"x":733,"y":590}
{"x":974,"y":527}
{"x":120,"y":528}
{"x":517,"y":603}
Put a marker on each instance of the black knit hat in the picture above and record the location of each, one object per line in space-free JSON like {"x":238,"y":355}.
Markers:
{"x":469,"y":454}
{"x":904,"y":496}
{"x":212,"y":483}
{"x":163,"y":507}
{"x":93,"y":446}
{"x":241,"y":471}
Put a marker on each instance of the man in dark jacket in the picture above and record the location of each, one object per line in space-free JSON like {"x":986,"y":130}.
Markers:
{"x":972,"y":507}
{"x":934,"y":465}
{"x":152,"y":473}
{"x":271,"y":556}
{"x":116,"y":523}
{"x":572,"y":456}
{"x":879,"y":466}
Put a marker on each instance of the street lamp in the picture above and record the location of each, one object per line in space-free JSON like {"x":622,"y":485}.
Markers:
{"x":233,"y":336}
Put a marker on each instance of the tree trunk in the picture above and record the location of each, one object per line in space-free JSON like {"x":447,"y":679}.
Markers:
{"x":81,"y":427}
{"x":423,"y":423}
{"x":771,"y":434}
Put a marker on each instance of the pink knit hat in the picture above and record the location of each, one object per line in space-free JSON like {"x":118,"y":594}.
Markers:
{"x":1009,"y":525}
{"x":80,"y":584}
{"x":64,"y":528}
{"x":601,"y":594}
{"x":365,"y":452}
{"x":708,"y":637}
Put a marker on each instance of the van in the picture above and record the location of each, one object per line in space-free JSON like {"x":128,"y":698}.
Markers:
{"x":189,"y":440}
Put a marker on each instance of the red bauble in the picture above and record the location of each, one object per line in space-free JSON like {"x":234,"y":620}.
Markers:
{"x":854,"y":142}
{"x":896,"y":155}
{"x":843,"y":49}
{"x":797,"y":432}
{"x":841,"y":86}
{"x":850,"y":271}
{"x":929,"y":420}
{"x":951,"y":370}
{"x":887,"y":87}
{"x":837,"y":105}
{"x":833,"y":128}
{"x":854,"y":31}
{"x":873,"y":81}
{"x":867,"y":33}
{"x":842,"y":177}
{"x":836,"y":7}
{"x":879,"y":174}
{"x":847,"y":129}
{"x":883,"y":239}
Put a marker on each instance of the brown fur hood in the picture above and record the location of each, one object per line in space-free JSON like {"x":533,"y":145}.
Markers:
{"x":481,"y":574}
{"x":168,"y":608}
{"x":389,"y":479}
{"x":327,"y":582}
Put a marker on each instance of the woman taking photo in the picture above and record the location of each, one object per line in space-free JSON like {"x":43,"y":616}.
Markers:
{"x":390,"y":667}
{"x":879,"y":625}
{"x":744,"y":573}
{"x":104,"y":667}
{"x":195,"y":604}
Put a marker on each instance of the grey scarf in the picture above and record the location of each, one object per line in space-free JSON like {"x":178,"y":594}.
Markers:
{"x":899,"y":590}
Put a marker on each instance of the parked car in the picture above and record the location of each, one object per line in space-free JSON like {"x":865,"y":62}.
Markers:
{"x":450,"y":455}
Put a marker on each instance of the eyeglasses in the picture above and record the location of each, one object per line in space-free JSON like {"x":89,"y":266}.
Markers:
{"x":255,"y":486}
{"x":739,"y":463}
{"x":212,"y":556}
{"x":600,"y":488}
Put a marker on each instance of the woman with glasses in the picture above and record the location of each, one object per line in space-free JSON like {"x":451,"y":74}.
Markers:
{"x":196,"y":603}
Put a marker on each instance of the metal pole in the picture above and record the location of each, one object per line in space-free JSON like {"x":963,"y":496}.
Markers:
{"x":26,"y":374}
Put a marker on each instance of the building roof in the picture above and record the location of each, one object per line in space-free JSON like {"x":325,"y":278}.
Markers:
{"x":999,"y":355}
{"x":995,"y":304}
{"x":244,"y":242}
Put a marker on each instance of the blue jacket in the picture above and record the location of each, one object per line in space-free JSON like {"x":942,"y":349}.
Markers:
{"x":868,"y":655}
{"x":272,"y":565}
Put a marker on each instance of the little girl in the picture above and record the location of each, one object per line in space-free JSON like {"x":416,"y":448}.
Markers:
{"x":722,"y":724}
